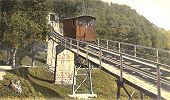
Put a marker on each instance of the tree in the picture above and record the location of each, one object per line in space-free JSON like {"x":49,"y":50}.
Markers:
{"x":26,"y":22}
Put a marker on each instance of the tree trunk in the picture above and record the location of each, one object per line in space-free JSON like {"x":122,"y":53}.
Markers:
{"x":8,"y":57}
{"x":14,"y":51}
{"x":33,"y":61}
{"x":33,"y":53}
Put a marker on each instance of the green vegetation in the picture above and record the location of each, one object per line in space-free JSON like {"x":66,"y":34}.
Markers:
{"x":115,"y":22}
{"x":119,"y":23}
{"x":23,"y":23}
{"x":37,"y":82}
{"x":2,"y":56}
{"x":28,"y":91}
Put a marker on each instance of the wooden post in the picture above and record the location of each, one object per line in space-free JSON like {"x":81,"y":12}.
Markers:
{"x":61,"y":40}
{"x":141,"y":96}
{"x":74,"y":81}
{"x":77,"y":47}
{"x":158,"y":83}
{"x":86,"y":53}
{"x":107,"y":43}
{"x":121,"y":67}
{"x":89,"y":69}
{"x":119,"y":46}
{"x":70,"y":43}
{"x":65,"y":42}
{"x":135,"y":50}
{"x":98,"y":42}
{"x":118,"y":90}
{"x":90,"y":78}
{"x":157,"y":55}
{"x":100,"y":58}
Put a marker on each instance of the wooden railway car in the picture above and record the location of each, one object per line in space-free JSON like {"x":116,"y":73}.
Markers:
{"x":80,"y":28}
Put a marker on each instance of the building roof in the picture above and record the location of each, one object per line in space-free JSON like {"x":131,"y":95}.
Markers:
{"x":79,"y":17}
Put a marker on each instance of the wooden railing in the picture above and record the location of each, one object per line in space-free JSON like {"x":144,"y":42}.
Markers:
{"x":149,"y":53}
{"x":105,"y":52}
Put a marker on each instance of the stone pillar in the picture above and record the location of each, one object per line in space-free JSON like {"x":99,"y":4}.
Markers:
{"x":50,"y":54}
{"x":61,"y":62}
{"x":64,"y":67}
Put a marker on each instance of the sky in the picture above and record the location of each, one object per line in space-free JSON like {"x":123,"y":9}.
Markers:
{"x":156,"y":11}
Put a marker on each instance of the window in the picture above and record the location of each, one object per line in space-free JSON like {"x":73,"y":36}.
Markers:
{"x":52,"y":17}
{"x":90,"y":23}
{"x":82,"y":22}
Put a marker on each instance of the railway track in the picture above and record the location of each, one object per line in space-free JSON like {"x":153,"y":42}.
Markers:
{"x":133,"y":66}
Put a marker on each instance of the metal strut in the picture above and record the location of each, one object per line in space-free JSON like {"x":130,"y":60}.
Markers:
{"x":120,"y":85}
{"x":83,"y":69}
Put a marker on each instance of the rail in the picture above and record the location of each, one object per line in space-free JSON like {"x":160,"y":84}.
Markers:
{"x":153,"y":54}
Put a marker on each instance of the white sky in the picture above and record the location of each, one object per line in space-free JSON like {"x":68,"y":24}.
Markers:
{"x":156,"y":11}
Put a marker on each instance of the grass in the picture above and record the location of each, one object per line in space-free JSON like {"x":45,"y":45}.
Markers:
{"x":28,"y":91}
{"x":104,"y":85}
{"x":38,"y":83}
{"x":41,"y":76}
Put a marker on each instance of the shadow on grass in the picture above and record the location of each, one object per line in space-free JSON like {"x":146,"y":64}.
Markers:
{"x":45,"y":91}
{"x":2,"y":62}
{"x":49,"y":81}
{"x":40,"y":60}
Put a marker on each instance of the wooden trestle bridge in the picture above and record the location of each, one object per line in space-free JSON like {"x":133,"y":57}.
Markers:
{"x":148,"y":74}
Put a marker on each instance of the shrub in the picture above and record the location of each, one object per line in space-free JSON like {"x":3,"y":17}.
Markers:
{"x":27,"y":89}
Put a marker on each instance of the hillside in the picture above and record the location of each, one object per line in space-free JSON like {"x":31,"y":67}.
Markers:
{"x":115,"y":22}
{"x":37,"y":83}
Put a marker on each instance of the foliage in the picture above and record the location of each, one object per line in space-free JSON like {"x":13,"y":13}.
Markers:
{"x":115,"y":22}
{"x":2,"y":56}
{"x":23,"y":22}
{"x":27,"y":89}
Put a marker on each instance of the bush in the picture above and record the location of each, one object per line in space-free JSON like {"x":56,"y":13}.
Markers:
{"x":27,"y":89}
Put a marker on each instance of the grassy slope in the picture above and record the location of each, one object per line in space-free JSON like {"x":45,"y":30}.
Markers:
{"x":28,"y":91}
{"x":38,"y":82}
{"x":104,"y":85}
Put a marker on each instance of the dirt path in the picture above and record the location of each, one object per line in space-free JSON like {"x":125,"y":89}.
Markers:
{"x":2,"y":73}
